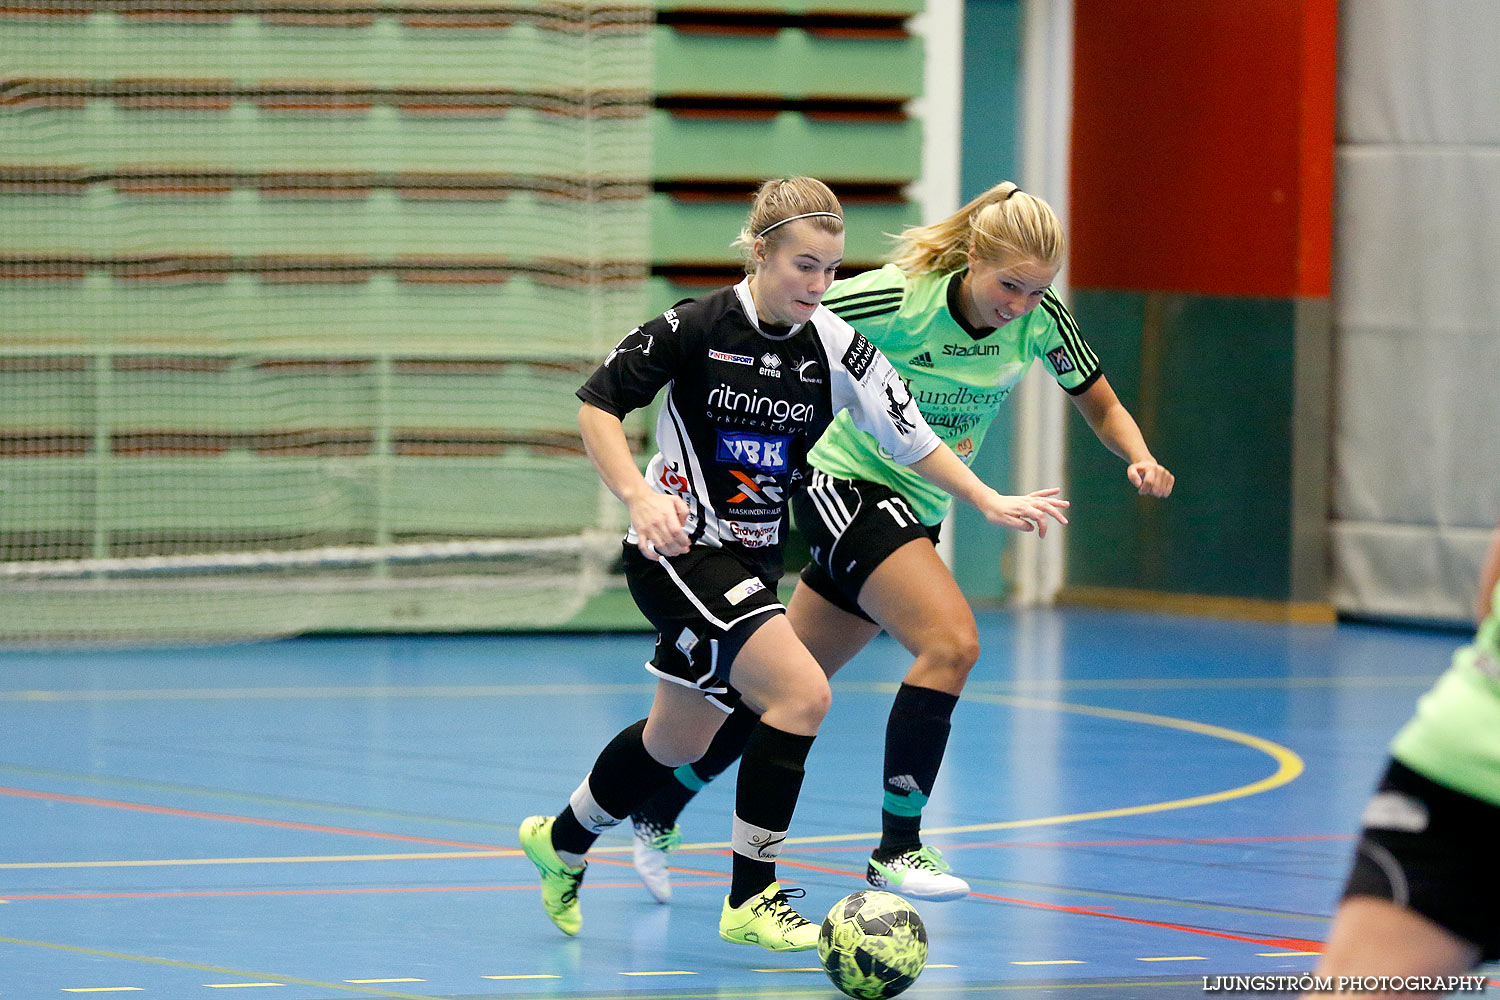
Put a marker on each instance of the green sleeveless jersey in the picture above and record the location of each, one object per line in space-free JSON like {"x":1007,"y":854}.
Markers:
{"x":1454,"y":738}
{"x":958,"y":375}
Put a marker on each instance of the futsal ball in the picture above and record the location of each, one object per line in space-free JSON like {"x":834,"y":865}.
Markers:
{"x":872,"y":945}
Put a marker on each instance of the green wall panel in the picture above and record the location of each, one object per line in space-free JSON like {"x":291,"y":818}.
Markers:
{"x":246,"y":222}
{"x":856,"y":7}
{"x":240,"y":494}
{"x":382,"y":315}
{"x":787,"y":142}
{"x":102,"y":135}
{"x":700,"y":232}
{"x":250,"y":51}
{"x":789,"y":63}
{"x":1210,"y":381}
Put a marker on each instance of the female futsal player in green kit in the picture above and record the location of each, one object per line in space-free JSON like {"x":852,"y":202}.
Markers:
{"x":961,"y":312}
{"x":1420,"y":899}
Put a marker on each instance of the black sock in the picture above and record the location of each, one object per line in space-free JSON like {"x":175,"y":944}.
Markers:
{"x":663,"y":808}
{"x":765,"y":798}
{"x":915,"y":739}
{"x":624,"y":776}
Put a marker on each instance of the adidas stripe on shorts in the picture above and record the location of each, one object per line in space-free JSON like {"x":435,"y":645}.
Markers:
{"x":851,"y":526}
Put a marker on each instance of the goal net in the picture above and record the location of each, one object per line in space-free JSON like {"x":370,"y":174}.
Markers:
{"x":295,"y":296}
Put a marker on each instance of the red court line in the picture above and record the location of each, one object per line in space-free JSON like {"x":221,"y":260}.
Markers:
{"x":1295,"y":943}
{"x":1148,"y":842}
{"x":26,"y":793}
{"x":1299,"y":944}
{"x":1310,"y":838}
{"x":387,"y":890}
{"x":82,"y":800}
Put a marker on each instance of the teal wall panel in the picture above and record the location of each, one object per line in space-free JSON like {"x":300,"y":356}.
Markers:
{"x":991,"y":132}
{"x":1210,"y":381}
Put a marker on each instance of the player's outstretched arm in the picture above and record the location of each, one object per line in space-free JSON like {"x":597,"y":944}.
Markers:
{"x":944,"y":469}
{"x":1117,"y":430}
{"x":658,"y":518}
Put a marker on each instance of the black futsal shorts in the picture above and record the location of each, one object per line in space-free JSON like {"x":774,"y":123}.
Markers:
{"x":704,"y":605}
{"x":1430,"y":849}
{"x":851,"y":526}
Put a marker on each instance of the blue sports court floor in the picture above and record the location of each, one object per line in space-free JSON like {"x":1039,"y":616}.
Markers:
{"x":1139,"y":802}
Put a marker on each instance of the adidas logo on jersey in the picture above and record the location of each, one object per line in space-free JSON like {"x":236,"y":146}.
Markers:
{"x":923,"y":360}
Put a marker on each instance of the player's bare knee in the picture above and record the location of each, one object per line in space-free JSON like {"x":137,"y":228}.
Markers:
{"x":674,"y":749}
{"x":952,"y":655}
{"x":807,"y":703}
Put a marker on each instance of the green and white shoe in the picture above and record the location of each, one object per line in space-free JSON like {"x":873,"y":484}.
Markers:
{"x":650,"y":847}
{"x":920,"y":873}
{"x":559,"y":882}
{"x":769,"y":921}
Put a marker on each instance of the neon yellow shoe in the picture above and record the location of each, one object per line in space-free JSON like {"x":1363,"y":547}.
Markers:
{"x":559,"y":882}
{"x":768,"y":920}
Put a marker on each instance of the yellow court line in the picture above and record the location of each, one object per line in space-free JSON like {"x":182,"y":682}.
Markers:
{"x":293,"y":860}
{"x":197,"y":967}
{"x":547,"y":690}
{"x":364,"y":981}
{"x":1289,"y":767}
{"x":1054,"y":961}
{"x":1176,"y":958}
{"x":539,"y":975}
{"x":671,"y":972}
{"x":314,"y":693}
{"x":103,"y":989}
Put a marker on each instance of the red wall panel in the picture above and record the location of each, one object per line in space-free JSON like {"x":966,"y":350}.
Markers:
{"x":1203,"y":146}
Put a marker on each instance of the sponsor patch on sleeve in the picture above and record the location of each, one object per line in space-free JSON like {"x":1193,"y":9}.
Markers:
{"x":743,"y":589}
{"x":635,"y":340}
{"x":1061,"y":363}
{"x":859,"y":356}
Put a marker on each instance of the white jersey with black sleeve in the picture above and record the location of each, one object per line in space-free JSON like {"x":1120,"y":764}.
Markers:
{"x":745,"y":403}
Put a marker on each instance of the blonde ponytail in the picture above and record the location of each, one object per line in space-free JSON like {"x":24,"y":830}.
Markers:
{"x":1001,"y":225}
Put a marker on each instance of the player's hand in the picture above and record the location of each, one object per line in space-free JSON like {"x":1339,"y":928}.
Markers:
{"x":1027,"y":513}
{"x":1150,"y":479}
{"x":660,"y":523}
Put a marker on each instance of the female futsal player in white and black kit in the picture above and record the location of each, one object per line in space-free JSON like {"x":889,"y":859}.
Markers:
{"x":754,"y":373}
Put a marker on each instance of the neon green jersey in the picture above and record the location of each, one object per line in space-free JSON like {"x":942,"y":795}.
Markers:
{"x":1454,"y":738}
{"x":958,"y":375}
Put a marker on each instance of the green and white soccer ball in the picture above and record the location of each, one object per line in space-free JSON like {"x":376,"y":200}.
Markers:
{"x":872,"y":945}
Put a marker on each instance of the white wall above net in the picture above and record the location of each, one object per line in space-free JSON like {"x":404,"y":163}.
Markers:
{"x":1416,"y":306}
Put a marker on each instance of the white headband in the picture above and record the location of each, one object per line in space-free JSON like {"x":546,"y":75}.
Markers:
{"x":804,"y":215}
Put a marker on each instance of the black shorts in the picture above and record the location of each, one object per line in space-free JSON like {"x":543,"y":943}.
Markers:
{"x":1430,"y":849}
{"x":705,"y":605}
{"x":851,"y":526}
